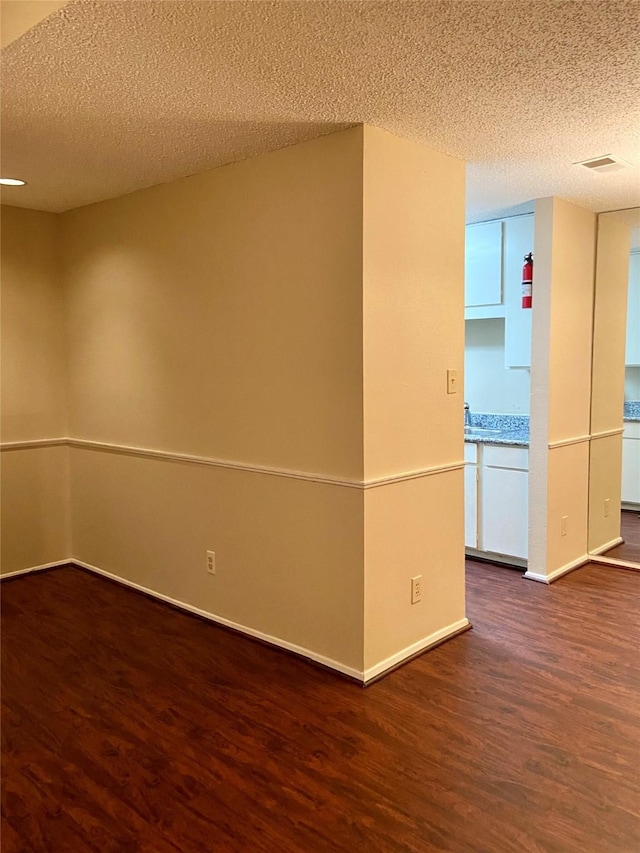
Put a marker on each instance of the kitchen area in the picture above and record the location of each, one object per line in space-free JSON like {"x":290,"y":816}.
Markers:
{"x":497,"y":389}
{"x":498,"y":323}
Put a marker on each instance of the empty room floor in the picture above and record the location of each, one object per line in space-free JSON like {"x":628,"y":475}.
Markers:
{"x":130,"y":726}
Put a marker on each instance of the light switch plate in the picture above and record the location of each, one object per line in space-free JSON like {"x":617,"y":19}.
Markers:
{"x":452,"y":381}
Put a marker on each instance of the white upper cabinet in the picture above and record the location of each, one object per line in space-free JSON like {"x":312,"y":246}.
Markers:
{"x":633,"y":311}
{"x":483,"y":270}
{"x":518,"y":242}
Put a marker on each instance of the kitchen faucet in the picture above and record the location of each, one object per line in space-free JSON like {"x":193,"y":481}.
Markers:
{"x":467,"y":415}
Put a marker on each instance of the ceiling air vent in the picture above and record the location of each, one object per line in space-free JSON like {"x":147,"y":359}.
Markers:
{"x":606,"y":163}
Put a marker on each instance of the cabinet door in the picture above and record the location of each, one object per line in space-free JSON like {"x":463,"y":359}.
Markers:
{"x":483,"y":264}
{"x":518,"y":241}
{"x":471,"y":506}
{"x":631,"y":470}
{"x":505,"y":511}
{"x":633,"y":311}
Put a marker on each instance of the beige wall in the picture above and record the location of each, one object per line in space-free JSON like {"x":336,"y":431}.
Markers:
{"x":573,"y":260}
{"x":33,"y":346}
{"x":568,"y":495}
{"x":415,"y":527}
{"x":238,"y":316}
{"x":610,"y":324}
{"x":605,"y":483}
{"x":34,"y":482}
{"x":221,"y":315}
{"x":413,"y":333}
{"x":289,"y":553}
{"x":560,"y":386}
{"x":35,"y":507}
{"x":608,"y":380}
{"x":413,"y":304}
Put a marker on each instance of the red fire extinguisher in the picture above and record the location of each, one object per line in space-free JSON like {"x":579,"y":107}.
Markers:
{"x":527,"y":280}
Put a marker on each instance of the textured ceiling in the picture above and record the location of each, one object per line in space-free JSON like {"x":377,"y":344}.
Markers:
{"x":102,"y":98}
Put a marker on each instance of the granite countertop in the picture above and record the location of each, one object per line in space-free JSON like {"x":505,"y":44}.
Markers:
{"x":515,"y":437}
{"x":514,"y":429}
{"x":511,"y":429}
{"x":632,"y":410}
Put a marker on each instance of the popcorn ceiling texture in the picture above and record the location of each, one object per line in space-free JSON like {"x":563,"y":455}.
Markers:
{"x":103,"y":98}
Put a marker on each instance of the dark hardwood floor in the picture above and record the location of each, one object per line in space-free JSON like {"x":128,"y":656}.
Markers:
{"x":630,"y":532}
{"x":129,"y":726}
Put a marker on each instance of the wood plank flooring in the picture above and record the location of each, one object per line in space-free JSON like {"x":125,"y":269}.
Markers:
{"x":129,"y":726}
{"x":630,"y":532}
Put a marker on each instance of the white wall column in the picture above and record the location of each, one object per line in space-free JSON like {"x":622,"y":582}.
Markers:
{"x":564,"y":255}
{"x":413,"y":332}
{"x":607,"y":394}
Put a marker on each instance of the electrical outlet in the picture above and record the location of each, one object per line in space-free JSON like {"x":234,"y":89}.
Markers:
{"x":607,"y":507}
{"x":563,"y":525}
{"x":211,"y":562}
{"x":452,"y":381}
{"x":416,"y":589}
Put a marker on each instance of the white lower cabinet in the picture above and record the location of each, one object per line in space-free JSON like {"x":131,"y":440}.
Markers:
{"x":505,"y":517}
{"x":631,"y":463}
{"x":470,"y":497}
{"x":497,"y":501}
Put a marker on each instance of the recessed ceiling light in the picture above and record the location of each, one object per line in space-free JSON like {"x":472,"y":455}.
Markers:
{"x":12,"y":182}
{"x":605,"y":163}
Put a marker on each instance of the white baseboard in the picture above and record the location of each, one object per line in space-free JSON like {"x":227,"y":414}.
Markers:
{"x":361,"y":676}
{"x":615,"y":563}
{"x":557,"y":573}
{"x":415,"y":648}
{"x":492,"y":557}
{"x":356,"y":674}
{"x":609,"y":545}
{"x":28,"y":571}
